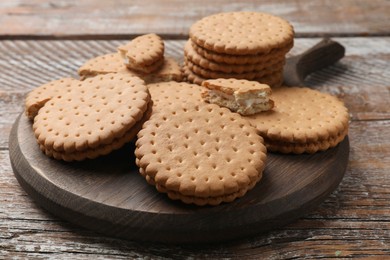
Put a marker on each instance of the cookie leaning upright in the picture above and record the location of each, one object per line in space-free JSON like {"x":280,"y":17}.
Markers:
{"x":144,"y":53}
{"x":92,"y":117}
{"x":242,"y":45}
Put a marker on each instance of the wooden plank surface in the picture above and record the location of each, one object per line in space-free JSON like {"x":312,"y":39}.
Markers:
{"x":120,"y":18}
{"x":353,"y":222}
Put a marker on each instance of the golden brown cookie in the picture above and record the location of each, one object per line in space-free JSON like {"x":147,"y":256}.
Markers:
{"x":168,"y":93}
{"x":303,"y":121}
{"x":278,"y":67}
{"x":203,"y":155}
{"x":277,"y":53}
{"x":144,"y":53}
{"x":241,"y":96}
{"x":272,"y":80}
{"x":206,"y":64}
{"x":39,"y":96}
{"x":242,"y":33}
{"x":98,"y":114}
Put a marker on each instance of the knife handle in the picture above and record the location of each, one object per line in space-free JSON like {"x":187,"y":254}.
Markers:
{"x":321,"y":55}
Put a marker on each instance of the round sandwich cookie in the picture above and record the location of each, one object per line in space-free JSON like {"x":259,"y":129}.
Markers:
{"x":202,"y":155}
{"x":92,"y":117}
{"x":303,"y":120}
{"x":241,"y":96}
{"x":242,"y":33}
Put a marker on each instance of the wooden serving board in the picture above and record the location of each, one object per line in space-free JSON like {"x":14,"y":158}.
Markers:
{"x":108,"y":194}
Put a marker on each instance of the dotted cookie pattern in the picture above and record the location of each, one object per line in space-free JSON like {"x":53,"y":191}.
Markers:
{"x":200,"y":154}
{"x":39,"y":96}
{"x":169,"y":93}
{"x":91,"y":114}
{"x":303,"y":120}
{"x":241,"y":33}
{"x":144,"y":52}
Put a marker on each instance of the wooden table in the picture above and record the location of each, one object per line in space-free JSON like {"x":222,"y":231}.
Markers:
{"x":41,"y":41}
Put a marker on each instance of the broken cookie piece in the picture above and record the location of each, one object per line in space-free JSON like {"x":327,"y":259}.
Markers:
{"x":241,"y":96}
{"x":144,"y":53}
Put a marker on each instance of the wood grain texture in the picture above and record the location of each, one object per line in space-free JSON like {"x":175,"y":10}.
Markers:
{"x":109,"y":195}
{"x":352,"y":222}
{"x":120,"y":18}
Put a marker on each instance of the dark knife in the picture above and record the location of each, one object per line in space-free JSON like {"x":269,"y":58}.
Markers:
{"x":321,"y":55}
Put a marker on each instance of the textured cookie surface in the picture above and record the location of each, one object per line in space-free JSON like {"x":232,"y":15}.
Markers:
{"x":241,"y":96}
{"x":40,"y":95}
{"x":102,"y":149}
{"x":200,"y":154}
{"x":241,"y":32}
{"x":165,"y":94}
{"x":107,"y":63}
{"x":92,"y":113}
{"x":303,"y":120}
{"x":144,"y":50}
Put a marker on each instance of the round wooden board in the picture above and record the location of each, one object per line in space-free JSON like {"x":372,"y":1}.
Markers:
{"x":109,"y":196}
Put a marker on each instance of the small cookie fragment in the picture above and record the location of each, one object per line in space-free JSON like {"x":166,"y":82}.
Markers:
{"x":202,"y":155}
{"x":92,"y":117}
{"x":241,"y":96}
{"x":303,"y":121}
{"x":144,"y":53}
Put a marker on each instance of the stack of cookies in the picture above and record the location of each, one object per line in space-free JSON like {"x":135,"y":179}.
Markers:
{"x":241,"y":45}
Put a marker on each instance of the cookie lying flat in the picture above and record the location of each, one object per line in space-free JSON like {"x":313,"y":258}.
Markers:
{"x":200,"y":61}
{"x":169,"y":93}
{"x":92,"y":117}
{"x":302,"y":121}
{"x":202,"y":155}
{"x":144,"y":53}
{"x":113,"y":63}
{"x":272,"y":80}
{"x":241,"y":96}
{"x":277,"y":53}
{"x":39,"y":96}
{"x":209,"y":74}
{"x":242,"y":33}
